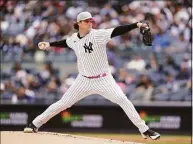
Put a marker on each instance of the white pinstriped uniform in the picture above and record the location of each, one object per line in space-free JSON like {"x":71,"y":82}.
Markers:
{"x":92,"y":64}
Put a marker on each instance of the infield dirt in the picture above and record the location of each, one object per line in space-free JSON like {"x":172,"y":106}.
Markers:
{"x":13,"y":137}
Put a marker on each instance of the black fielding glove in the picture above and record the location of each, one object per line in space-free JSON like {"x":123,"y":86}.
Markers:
{"x":146,"y":32}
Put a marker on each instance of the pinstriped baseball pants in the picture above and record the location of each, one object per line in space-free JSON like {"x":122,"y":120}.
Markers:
{"x":82,"y":87}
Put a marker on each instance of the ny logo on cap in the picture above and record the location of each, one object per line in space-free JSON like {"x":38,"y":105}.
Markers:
{"x":88,"y":48}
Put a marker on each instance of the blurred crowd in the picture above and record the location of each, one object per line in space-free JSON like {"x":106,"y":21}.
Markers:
{"x":160,"y":72}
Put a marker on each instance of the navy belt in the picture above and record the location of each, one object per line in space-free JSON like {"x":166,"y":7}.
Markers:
{"x":98,"y":76}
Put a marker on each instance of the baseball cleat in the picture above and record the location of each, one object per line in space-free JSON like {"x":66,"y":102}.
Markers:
{"x":31,"y":128}
{"x":152,"y":134}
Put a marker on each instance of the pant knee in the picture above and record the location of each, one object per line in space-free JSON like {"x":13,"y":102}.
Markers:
{"x":66,"y":103}
{"x":121,"y":100}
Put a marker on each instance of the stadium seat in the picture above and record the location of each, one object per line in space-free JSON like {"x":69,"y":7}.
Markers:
{"x":161,"y":97}
{"x":179,"y":96}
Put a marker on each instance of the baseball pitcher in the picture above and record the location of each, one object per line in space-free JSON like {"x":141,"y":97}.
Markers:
{"x":94,"y":75}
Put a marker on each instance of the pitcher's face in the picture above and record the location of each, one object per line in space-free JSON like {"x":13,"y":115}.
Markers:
{"x":86,"y":24}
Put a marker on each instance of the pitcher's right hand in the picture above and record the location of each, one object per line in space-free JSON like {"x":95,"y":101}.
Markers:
{"x":44,"y":45}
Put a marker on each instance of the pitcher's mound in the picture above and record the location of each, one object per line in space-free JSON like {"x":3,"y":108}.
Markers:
{"x":13,"y":137}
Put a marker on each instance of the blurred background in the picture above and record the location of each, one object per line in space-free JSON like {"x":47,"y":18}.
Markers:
{"x":156,"y":79}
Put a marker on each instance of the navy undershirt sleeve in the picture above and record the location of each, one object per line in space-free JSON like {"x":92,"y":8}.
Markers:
{"x":61,"y":43}
{"x":120,"y":30}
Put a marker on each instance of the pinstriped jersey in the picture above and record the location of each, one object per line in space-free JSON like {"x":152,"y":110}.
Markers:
{"x":91,"y":51}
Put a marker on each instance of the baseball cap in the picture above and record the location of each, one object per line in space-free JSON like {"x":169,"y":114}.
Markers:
{"x":83,"y":16}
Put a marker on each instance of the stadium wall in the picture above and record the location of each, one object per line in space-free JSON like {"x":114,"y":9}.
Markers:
{"x":173,"y":118}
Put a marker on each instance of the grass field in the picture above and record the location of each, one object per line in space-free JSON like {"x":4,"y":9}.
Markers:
{"x":165,"y":139}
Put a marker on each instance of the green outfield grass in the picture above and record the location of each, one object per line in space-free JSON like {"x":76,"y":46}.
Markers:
{"x":165,"y":139}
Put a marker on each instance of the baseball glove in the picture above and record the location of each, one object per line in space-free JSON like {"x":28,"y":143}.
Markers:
{"x":147,"y":37}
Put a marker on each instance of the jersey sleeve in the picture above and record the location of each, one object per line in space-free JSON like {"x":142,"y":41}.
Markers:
{"x":70,"y":40}
{"x":104,"y":35}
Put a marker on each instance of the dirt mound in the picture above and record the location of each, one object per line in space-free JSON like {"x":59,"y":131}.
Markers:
{"x":13,"y":137}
